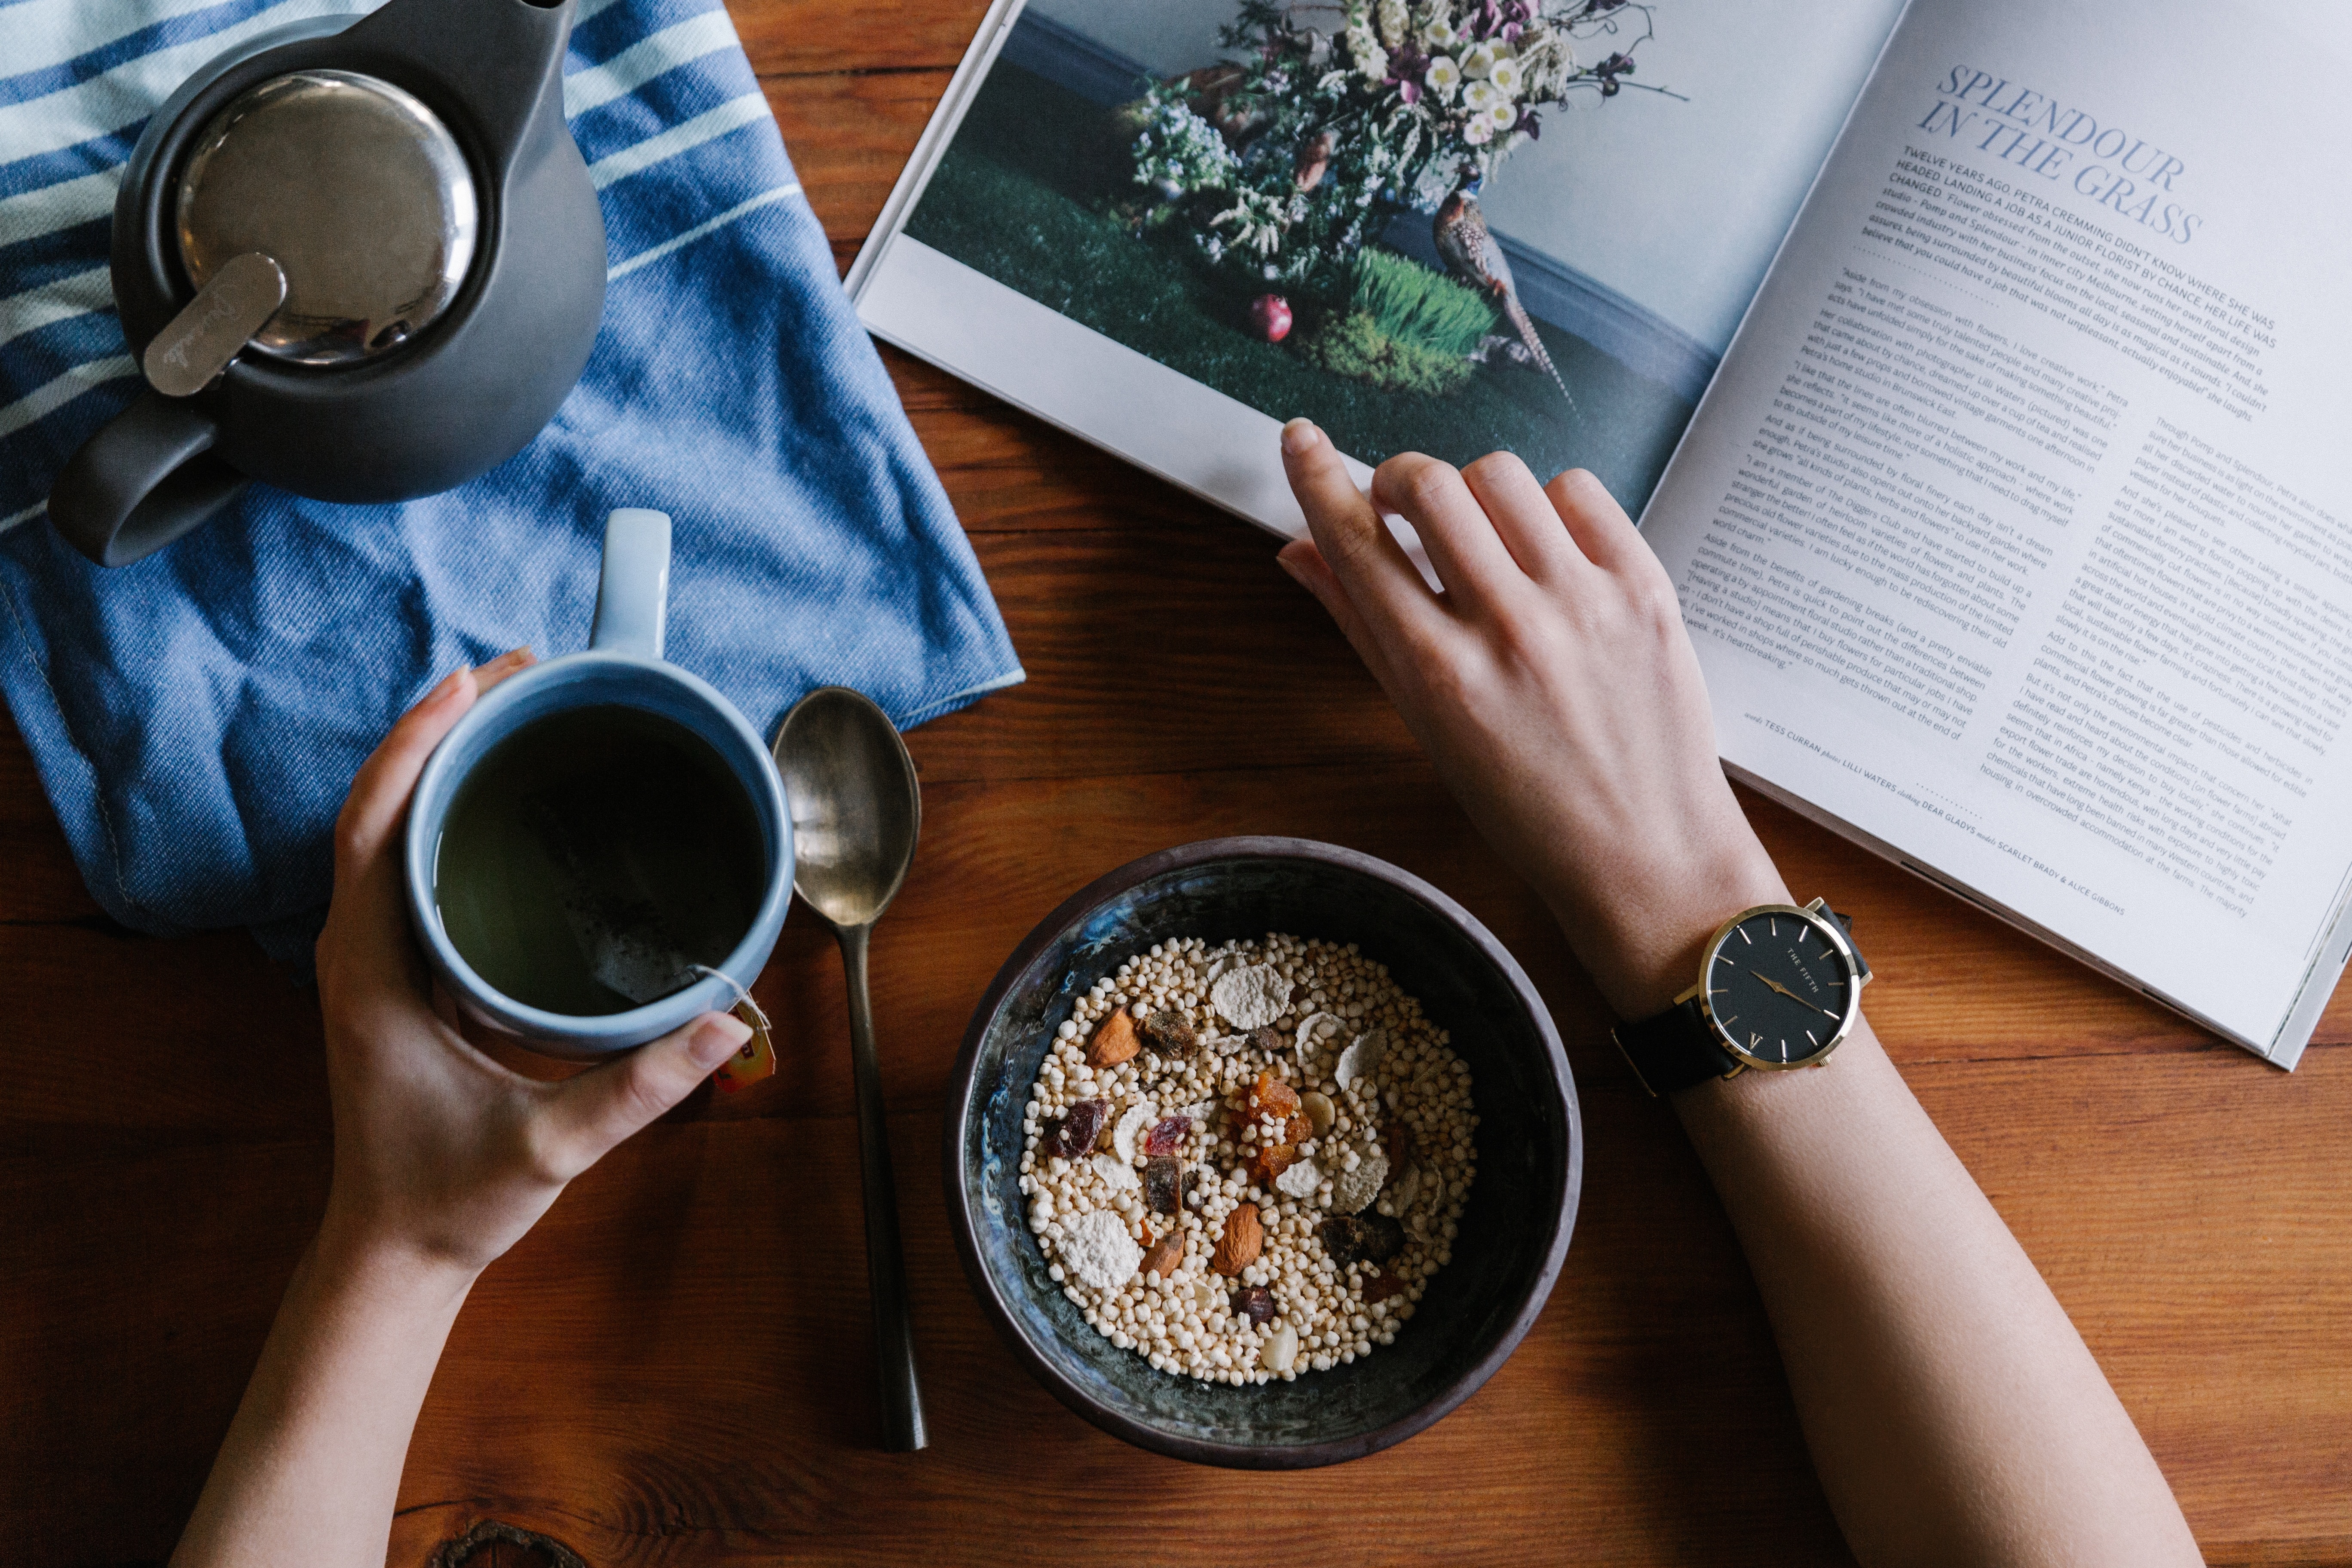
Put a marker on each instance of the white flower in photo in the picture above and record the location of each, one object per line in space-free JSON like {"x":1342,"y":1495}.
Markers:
{"x":1507,"y":77}
{"x":1479,"y":131}
{"x":1478,"y":61}
{"x":1443,"y":76}
{"x":1440,"y":34}
{"x":1394,"y":22}
{"x":1480,"y":96}
{"x":1503,"y":116}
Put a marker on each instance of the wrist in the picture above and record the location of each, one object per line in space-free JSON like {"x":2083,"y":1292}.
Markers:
{"x":1645,"y":940}
{"x":352,"y":1258}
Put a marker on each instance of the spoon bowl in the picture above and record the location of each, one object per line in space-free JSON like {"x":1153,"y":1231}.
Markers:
{"x":857,"y":810}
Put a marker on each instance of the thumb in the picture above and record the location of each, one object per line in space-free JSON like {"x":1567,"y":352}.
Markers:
{"x":600,"y":1108}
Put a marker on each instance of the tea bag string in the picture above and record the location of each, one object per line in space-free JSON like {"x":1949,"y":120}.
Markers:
{"x":742,"y":998}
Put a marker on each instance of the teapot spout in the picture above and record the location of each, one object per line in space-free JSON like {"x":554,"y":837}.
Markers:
{"x":497,"y":64}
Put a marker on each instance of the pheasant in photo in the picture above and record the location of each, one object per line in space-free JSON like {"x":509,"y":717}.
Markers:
{"x":1471,"y":255}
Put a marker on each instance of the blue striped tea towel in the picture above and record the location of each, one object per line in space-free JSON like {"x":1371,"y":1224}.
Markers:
{"x":197,"y":717}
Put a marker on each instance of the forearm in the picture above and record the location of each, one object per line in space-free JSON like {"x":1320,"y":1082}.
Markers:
{"x":310,"y":1468}
{"x":1953,"y":1412}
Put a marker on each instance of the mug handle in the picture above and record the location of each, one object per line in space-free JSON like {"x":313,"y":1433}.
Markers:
{"x":147,"y":477}
{"x":632,"y":595}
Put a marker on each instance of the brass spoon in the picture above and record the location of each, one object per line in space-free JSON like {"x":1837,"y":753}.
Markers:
{"x":856,"y":812}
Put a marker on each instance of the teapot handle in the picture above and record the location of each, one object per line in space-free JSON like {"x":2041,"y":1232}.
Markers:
{"x":147,"y":477}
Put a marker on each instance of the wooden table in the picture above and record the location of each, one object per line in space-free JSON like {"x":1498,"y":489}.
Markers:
{"x":674,"y":1367}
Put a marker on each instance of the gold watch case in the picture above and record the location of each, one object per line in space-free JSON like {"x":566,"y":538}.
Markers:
{"x":1816,"y":914}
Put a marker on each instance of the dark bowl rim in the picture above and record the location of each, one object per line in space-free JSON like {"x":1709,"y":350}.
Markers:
{"x":1242,"y":1455}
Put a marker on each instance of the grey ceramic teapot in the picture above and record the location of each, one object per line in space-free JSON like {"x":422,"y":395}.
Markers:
{"x":359,"y":258}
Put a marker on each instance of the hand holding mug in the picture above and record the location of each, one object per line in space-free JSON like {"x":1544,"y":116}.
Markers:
{"x":442,"y":1154}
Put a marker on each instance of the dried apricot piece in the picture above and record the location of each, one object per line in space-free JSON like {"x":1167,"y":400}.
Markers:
{"x":1269,"y":1096}
{"x":1270,"y":1161}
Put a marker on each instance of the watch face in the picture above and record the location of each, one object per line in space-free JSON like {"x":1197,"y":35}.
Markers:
{"x":1779,"y":988}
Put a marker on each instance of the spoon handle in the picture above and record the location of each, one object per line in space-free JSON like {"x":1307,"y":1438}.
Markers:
{"x":886,"y":1262}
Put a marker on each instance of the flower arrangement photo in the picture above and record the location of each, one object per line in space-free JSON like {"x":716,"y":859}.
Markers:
{"x":1281,"y":200}
{"x":1281,"y":164}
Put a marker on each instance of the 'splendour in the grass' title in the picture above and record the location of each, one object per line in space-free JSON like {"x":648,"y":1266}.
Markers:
{"x":2103,"y":162}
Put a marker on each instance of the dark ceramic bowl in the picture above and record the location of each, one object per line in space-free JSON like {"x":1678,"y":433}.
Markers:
{"x":1514,"y":1228}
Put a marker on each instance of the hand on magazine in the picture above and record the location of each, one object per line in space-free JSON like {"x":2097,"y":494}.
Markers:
{"x":1554,"y":687}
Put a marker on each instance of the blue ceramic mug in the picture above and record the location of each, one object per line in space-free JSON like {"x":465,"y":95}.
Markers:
{"x":622,"y":666}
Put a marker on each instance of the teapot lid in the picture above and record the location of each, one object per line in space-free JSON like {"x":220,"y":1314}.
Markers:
{"x":354,"y":188}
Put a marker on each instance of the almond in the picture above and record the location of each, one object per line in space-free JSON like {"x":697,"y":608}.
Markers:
{"x":1237,"y":1248}
{"x":1165,"y":1254}
{"x":1115,"y":1042}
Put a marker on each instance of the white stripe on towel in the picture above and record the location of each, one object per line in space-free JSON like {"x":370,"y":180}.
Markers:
{"x":708,"y":126}
{"x":131,"y":91}
{"x":27,"y":515}
{"x":45,"y":33}
{"x":15,"y":416}
{"x":712,"y":225}
{"x":31,"y":214}
{"x":76,"y":294}
{"x":646,"y":59}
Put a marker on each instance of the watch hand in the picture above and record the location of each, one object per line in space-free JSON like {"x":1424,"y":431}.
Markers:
{"x":1791,"y":995}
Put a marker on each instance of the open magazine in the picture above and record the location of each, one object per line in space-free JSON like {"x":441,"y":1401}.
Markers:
{"x":1976,"y":368}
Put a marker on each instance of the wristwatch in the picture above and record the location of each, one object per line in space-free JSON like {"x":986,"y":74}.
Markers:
{"x":1779,"y":987}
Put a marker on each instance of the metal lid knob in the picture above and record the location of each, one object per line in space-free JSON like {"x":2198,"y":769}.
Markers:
{"x":354,"y":188}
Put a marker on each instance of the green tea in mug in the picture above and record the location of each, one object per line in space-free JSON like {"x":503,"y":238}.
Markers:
{"x":592,"y":857}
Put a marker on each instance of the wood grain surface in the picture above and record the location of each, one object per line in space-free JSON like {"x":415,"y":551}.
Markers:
{"x":674,"y":1367}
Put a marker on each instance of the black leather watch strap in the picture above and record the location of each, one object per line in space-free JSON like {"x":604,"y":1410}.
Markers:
{"x":1676,"y":1050}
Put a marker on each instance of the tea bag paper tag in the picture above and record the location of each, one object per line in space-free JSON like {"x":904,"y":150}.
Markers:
{"x":756,"y":1060}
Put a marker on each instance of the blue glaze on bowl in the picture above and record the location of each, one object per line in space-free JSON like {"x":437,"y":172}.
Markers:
{"x":1514,"y":1231}
{"x":582,"y":679}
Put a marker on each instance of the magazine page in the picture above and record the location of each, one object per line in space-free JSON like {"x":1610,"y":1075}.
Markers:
{"x":1449,"y":225}
{"x":2016,"y":532}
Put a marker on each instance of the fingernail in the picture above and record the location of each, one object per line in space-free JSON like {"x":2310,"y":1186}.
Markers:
{"x":511,"y":657}
{"x":1300,"y":436}
{"x":1282,"y":559}
{"x":717,"y":1037}
{"x":447,"y":689}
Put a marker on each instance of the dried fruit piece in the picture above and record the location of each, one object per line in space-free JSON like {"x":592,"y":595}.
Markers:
{"x":1167,"y":1135}
{"x":1281,"y":1348}
{"x":1238,"y":1247}
{"x":1380,"y":1287}
{"x":1076,"y":1130}
{"x":1352,"y":1190}
{"x":1250,"y":996}
{"x":1271,"y":1160}
{"x":1320,"y":1112}
{"x":1163,"y":1184}
{"x":1267,"y":1040}
{"x":1169,"y":1035}
{"x":1397,"y":1138}
{"x":1269,"y":1096}
{"x":1164,"y":1255}
{"x":1122,"y":1137}
{"x":1300,"y":1181}
{"x":1097,"y":1249}
{"x":1298,"y":1129}
{"x":1114,"y":1042}
{"x":1350,"y":1239}
{"x":1254,"y":1302}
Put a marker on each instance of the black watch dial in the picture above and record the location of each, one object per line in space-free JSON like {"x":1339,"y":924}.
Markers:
{"x":1778,"y":989}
